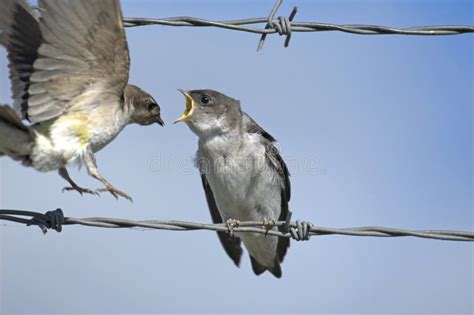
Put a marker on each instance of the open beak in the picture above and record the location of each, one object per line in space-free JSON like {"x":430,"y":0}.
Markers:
{"x":189,"y":107}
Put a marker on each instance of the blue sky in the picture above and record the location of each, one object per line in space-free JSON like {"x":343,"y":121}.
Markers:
{"x":377,"y":130}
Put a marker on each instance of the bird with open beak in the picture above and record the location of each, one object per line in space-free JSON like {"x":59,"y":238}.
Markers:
{"x":243,"y":175}
{"x":69,"y":70}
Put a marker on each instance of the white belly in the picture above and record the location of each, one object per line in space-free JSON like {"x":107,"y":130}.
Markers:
{"x":244,"y":186}
{"x":70,"y":136}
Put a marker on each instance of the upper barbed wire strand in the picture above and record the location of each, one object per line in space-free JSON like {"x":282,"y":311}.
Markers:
{"x":285,"y":26}
{"x":299,"y":26}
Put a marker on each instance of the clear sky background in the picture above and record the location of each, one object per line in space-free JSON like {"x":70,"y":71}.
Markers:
{"x":377,"y":130}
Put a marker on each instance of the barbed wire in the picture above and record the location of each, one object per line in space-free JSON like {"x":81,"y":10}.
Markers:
{"x":56,"y":220}
{"x":286,"y":26}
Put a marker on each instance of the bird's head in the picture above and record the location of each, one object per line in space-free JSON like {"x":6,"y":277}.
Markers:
{"x":210,"y":112}
{"x":145,"y":110}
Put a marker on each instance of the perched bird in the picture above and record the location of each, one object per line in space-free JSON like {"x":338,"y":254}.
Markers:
{"x":69,"y":70}
{"x":243,"y":175}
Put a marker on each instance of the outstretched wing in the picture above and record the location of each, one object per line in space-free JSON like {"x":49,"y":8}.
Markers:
{"x":231,"y":244}
{"x":83,"y":52}
{"x":275,"y":161}
{"x":20,"y":34}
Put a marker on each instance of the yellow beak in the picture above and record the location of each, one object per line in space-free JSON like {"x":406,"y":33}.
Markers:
{"x":189,"y":107}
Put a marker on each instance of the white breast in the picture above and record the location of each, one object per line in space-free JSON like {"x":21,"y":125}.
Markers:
{"x":103,"y":132}
{"x":243,"y":185}
{"x":71,"y":134}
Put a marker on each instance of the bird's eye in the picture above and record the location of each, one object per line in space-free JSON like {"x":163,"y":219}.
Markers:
{"x":150,"y":105}
{"x":205,"y":99}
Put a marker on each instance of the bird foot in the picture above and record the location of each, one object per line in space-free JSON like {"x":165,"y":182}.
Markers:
{"x":81,"y":190}
{"x":115,"y":192}
{"x":302,"y":231}
{"x":268,"y":224}
{"x":231,"y":224}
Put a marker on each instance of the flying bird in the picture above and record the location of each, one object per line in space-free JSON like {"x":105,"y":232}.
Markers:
{"x":243,"y":175}
{"x":69,"y":68}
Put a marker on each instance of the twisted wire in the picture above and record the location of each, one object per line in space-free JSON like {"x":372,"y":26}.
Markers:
{"x":285,"y":26}
{"x":56,"y":220}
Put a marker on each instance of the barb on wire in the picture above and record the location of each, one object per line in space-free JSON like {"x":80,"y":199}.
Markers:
{"x":56,"y":219}
{"x":282,"y":25}
{"x":286,"y":26}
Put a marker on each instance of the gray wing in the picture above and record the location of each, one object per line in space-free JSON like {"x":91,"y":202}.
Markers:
{"x":83,"y":52}
{"x":231,"y":244}
{"x":276,"y":162}
{"x":272,"y":154}
{"x":21,"y":36}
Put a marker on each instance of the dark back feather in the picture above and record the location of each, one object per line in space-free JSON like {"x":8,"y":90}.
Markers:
{"x":231,"y":244}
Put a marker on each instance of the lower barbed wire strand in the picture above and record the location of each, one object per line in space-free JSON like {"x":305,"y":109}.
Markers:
{"x":56,"y":220}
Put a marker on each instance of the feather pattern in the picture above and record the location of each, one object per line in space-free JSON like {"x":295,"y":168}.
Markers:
{"x":83,"y":53}
{"x":22,"y":37}
{"x":245,"y":178}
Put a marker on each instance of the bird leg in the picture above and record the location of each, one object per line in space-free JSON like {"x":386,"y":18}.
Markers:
{"x":91,"y":165}
{"x":64,"y":174}
{"x":268,"y":224}
{"x":231,"y":224}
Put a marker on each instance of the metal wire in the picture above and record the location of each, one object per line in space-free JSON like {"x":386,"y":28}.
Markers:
{"x":55,"y":220}
{"x":286,"y":26}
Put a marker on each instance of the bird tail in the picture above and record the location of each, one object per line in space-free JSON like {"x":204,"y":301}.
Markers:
{"x":16,"y":139}
{"x":258,"y":268}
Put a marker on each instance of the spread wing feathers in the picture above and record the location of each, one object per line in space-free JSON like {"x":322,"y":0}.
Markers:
{"x":276,"y":162}
{"x":83,"y":52}
{"x":6,"y":7}
{"x":20,"y":34}
{"x":231,"y":245}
